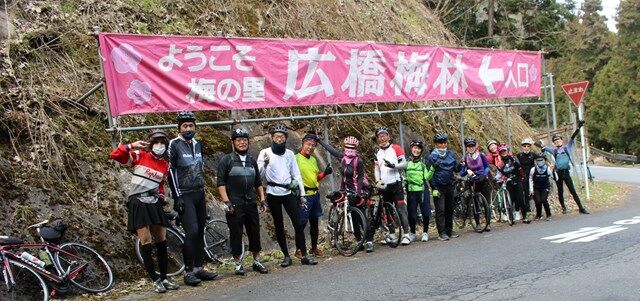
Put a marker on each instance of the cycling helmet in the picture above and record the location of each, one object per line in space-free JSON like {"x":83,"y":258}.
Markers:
{"x":556,"y":137}
{"x":527,"y":141}
{"x":157,"y":134}
{"x":280,"y":129}
{"x":310,"y":136}
{"x":503,"y":147}
{"x":491,"y":142}
{"x":381,"y":130}
{"x":419,"y":144}
{"x":239,"y":133}
{"x":469,"y":141}
{"x":440,"y":138}
{"x":541,"y":156}
{"x":351,"y":142}
{"x":185,"y":116}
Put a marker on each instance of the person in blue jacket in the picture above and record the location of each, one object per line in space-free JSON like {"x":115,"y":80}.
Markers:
{"x":445,"y":163}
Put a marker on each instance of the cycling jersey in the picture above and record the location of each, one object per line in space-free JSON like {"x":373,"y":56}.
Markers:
{"x":509,"y":167}
{"x":418,"y":174}
{"x":444,"y":167}
{"x":240,"y":177}
{"x":281,"y":170}
{"x":394,"y":155}
{"x":527,"y":160}
{"x":479,"y":165}
{"x":149,"y":171}
{"x":186,"y":166}
{"x":310,"y":173}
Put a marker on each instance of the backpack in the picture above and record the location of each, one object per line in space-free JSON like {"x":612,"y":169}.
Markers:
{"x":54,"y":231}
{"x":563,"y":160}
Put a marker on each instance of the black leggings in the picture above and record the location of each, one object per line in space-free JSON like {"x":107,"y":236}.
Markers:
{"x":290,"y":204}
{"x":193,"y":219}
{"x":565,"y":176}
{"x":244,"y":215}
{"x":444,"y":209}
{"x":517,"y":197}
{"x":313,"y":231}
{"x":419,"y":199}
{"x":541,"y":199}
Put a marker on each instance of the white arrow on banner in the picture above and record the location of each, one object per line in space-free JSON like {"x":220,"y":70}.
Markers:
{"x":488,"y":76}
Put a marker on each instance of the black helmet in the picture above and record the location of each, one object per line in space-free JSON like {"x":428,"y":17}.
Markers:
{"x":239,"y":133}
{"x":310,"y":136}
{"x":417,"y":143}
{"x":440,"y":138}
{"x":157,"y":133}
{"x":469,"y":141}
{"x":540,"y":156}
{"x":279,"y":129}
{"x":185,"y":116}
{"x":556,"y":137}
{"x":381,"y":130}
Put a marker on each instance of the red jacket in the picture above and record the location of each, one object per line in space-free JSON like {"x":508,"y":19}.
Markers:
{"x":149,"y":171}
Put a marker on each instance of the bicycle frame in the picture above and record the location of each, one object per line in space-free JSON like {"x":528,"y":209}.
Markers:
{"x":59,"y":277}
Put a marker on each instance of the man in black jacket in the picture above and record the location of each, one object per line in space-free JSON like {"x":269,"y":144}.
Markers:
{"x":239,"y":182}
{"x":527,"y":159}
{"x":187,"y":186}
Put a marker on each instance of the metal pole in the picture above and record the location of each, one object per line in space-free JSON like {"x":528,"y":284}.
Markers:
{"x":584,"y":151}
{"x":112,"y":122}
{"x":401,"y":130}
{"x":553,"y":101}
{"x":508,"y":122}
{"x":546,"y":99}
{"x":464,"y":149}
{"x":323,"y":116}
{"x":326,"y":140}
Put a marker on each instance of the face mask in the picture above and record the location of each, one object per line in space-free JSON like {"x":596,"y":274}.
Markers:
{"x":475,"y":155}
{"x":159,"y":149}
{"x":350,"y":152}
{"x":384,"y":146}
{"x":441,"y":151}
{"x":188,"y":135}
{"x":278,"y":148}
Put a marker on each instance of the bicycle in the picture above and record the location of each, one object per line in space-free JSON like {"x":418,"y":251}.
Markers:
{"x":217,"y":246}
{"x":384,"y":215}
{"x":26,"y":276}
{"x":347,"y":224}
{"x":470,"y":204}
{"x":504,"y":203}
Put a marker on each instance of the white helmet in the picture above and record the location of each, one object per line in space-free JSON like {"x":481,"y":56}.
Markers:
{"x":527,"y":141}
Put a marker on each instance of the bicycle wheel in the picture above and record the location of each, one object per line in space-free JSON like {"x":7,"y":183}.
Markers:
{"x":217,"y":244}
{"x":480,"y":213}
{"x":508,"y":208}
{"x":390,"y":225}
{"x":332,"y":221}
{"x":459,"y":212}
{"x":175,"y":260}
{"x":96,"y":277}
{"x":350,"y":233}
{"x":29,"y":285}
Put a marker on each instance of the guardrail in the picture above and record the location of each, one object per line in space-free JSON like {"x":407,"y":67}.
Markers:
{"x":615,"y":157}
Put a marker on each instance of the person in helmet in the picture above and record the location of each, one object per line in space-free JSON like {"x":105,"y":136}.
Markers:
{"x":389,"y":162}
{"x":561,"y":154}
{"x":510,"y":168}
{"x":526,"y":158}
{"x":476,"y":166}
{"x":539,"y":185}
{"x":146,"y":218}
{"x":353,"y":175}
{"x":445,"y":164}
{"x":278,"y":166}
{"x":418,"y":176}
{"x":492,"y":152}
{"x":187,"y":187}
{"x":311,"y":177}
{"x":240,"y":188}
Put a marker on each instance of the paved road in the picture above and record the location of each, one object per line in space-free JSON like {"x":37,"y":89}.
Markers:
{"x":616,"y":174}
{"x":505,"y":264}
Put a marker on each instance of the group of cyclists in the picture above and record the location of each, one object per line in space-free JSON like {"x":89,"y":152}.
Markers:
{"x":292,"y":182}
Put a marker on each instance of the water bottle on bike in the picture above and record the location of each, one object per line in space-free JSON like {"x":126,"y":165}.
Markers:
{"x":33,"y":259}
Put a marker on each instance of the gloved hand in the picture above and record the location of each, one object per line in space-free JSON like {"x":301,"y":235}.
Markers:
{"x":303,"y":203}
{"x":580,"y":123}
{"x":328,"y":170}
{"x":161,"y":199}
{"x":178,"y":205}
{"x":227,"y":207}
{"x":389,"y":164}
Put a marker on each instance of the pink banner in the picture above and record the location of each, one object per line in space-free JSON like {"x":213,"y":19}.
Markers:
{"x":172,"y":73}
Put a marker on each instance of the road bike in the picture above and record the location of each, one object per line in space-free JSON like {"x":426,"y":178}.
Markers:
{"x":347,"y":224}
{"x":26,"y":276}
{"x":217,"y":246}
{"x":470,"y":204}
{"x":384,"y":216}
{"x":503,"y":204}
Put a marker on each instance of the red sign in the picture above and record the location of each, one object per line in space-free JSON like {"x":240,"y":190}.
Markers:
{"x":576,"y":91}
